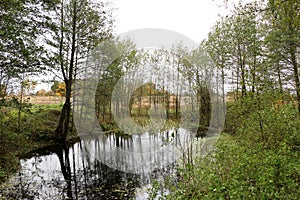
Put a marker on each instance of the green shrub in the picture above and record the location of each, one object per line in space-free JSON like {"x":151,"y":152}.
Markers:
{"x":261,"y":160}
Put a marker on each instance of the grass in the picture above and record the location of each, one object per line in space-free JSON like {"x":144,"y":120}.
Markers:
{"x":39,"y":107}
{"x":35,"y":130}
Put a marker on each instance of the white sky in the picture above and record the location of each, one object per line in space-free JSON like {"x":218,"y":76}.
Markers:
{"x":192,"y":18}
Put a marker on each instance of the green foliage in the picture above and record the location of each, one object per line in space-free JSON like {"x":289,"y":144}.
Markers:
{"x":54,"y":87}
{"x":21,"y":26}
{"x":257,"y":46}
{"x":261,"y":161}
{"x":38,"y":124}
{"x":156,"y":190}
{"x":8,"y":104}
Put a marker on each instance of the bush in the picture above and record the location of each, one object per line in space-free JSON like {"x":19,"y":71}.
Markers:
{"x":259,"y":161}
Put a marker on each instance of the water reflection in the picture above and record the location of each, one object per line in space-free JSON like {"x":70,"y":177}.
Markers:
{"x":94,"y":168}
{"x":139,"y":154}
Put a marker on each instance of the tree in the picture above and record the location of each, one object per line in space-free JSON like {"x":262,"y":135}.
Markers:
{"x":197,"y":67}
{"x":217,"y":46}
{"x":21,"y":27}
{"x":236,"y":45}
{"x":124,"y":58}
{"x":58,"y":88}
{"x":28,"y":86}
{"x":285,"y":35}
{"x":78,"y":27}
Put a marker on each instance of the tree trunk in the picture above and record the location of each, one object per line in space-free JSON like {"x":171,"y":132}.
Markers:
{"x":242,"y":67}
{"x":296,"y":75}
{"x":279,"y":78}
{"x":63,"y":125}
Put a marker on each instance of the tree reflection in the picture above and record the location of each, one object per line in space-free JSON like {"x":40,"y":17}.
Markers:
{"x":64,"y":160}
{"x":87,"y":178}
{"x":75,"y":173}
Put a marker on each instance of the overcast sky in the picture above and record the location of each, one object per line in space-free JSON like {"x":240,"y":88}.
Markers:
{"x":192,"y":18}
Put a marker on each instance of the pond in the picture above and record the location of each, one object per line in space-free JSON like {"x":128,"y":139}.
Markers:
{"x":99,"y":167}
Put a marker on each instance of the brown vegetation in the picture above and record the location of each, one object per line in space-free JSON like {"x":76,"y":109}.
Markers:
{"x":45,"y":99}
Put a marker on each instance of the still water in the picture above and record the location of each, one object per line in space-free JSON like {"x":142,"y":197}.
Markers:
{"x":101,"y":167}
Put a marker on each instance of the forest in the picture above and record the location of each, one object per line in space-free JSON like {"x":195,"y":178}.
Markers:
{"x":116,"y":112}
